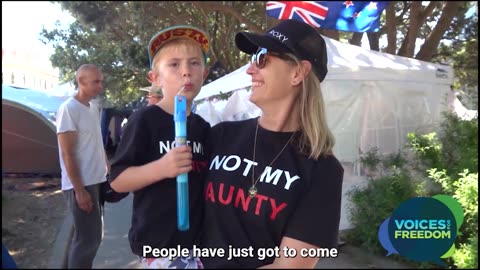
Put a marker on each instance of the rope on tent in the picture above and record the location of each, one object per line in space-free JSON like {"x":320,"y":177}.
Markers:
{"x":29,"y":139}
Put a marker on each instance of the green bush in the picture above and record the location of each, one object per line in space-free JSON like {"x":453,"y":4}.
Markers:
{"x":372,"y":205}
{"x":446,"y":163}
{"x":466,"y":257}
{"x":459,"y":139}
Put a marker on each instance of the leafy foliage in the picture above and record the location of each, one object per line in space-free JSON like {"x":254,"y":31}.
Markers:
{"x":115,"y":34}
{"x":373,"y":204}
{"x":446,"y":163}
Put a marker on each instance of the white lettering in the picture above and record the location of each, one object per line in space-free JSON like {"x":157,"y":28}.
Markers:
{"x":290,"y":180}
{"x":249,"y":165}
{"x":235,"y":166}
{"x":165,"y":146}
{"x":267,"y":173}
{"x":278,"y":35}
{"x":146,"y":250}
{"x":197,"y":147}
{"x":216,"y":162}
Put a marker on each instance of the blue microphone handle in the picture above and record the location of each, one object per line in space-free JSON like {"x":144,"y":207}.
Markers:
{"x":180,"y":118}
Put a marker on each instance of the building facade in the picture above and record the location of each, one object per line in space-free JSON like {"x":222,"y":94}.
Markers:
{"x":24,"y":68}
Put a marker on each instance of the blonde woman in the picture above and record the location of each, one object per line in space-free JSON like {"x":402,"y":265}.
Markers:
{"x":274,"y":184}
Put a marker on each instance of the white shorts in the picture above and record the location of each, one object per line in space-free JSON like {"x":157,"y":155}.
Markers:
{"x":176,"y":263}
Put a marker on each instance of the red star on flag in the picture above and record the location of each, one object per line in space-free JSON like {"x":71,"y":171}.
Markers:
{"x":348,"y":4}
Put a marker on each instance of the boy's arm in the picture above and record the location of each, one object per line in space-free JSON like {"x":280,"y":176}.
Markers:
{"x":177,"y":161}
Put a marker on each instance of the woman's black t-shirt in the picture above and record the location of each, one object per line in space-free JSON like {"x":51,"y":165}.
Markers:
{"x":297,"y":197}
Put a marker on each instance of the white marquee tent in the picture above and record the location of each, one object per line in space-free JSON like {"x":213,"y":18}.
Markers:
{"x":373,"y":99}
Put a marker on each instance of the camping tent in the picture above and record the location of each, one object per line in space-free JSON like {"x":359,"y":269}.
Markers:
{"x":62,"y":90}
{"x":29,"y":141}
{"x":373,"y":99}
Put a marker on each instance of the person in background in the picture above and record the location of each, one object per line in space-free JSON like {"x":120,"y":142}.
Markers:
{"x":153,"y":97}
{"x":273,"y":181}
{"x":154,"y":94}
{"x":84,"y":165}
{"x":147,"y":161}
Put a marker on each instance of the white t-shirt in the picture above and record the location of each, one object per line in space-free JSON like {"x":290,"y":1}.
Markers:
{"x":89,"y":153}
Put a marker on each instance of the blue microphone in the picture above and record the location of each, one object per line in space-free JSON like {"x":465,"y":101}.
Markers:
{"x":180,"y":118}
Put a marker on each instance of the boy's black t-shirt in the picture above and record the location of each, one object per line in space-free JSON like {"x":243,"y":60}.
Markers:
{"x":148,"y":135}
{"x":297,"y":197}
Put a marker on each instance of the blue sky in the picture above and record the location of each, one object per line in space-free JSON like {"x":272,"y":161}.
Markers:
{"x":23,"y":21}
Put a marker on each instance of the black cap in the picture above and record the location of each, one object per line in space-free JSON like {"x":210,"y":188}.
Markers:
{"x":289,"y":36}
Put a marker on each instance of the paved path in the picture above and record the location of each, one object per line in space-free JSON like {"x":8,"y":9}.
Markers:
{"x":115,"y":252}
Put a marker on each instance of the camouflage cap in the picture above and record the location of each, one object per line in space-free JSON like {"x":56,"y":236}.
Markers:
{"x":153,"y":90}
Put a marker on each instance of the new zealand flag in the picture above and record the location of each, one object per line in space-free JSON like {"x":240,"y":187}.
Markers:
{"x":349,"y":16}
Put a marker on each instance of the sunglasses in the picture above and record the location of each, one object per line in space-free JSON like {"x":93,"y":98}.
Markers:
{"x":260,"y":57}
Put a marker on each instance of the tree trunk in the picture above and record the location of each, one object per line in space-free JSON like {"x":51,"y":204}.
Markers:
{"x":356,"y":39}
{"x":408,"y":44}
{"x":417,"y":18}
{"x":390,"y":26}
{"x":331,"y":33}
{"x":429,"y":48}
{"x":373,"y":39}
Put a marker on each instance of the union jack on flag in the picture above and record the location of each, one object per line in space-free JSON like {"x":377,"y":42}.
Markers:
{"x":309,"y":12}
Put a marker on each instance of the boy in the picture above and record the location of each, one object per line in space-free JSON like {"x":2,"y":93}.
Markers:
{"x":147,"y":162}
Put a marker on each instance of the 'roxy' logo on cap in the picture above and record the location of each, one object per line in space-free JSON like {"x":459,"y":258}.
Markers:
{"x":278,"y":35}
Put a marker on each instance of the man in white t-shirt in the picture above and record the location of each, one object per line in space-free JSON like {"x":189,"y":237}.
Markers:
{"x":84,"y":165}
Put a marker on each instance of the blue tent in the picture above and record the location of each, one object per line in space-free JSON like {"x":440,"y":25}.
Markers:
{"x":45,"y":104}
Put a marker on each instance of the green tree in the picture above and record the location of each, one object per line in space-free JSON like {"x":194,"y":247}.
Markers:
{"x":115,"y":35}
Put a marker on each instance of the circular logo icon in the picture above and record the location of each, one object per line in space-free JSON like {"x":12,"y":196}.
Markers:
{"x":422,"y":228}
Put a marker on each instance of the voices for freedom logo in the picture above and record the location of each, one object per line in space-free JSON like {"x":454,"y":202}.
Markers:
{"x":423,"y":228}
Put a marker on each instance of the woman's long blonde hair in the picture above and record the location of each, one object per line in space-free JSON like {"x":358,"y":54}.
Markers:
{"x":316,"y":139}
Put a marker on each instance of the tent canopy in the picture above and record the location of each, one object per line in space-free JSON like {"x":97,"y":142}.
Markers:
{"x":350,"y":62}
{"x":45,"y":104}
{"x":29,"y":141}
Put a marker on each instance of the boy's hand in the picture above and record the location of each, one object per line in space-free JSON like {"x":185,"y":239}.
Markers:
{"x":177,"y":161}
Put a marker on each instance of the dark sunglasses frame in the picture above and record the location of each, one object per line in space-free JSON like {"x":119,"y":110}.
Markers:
{"x":260,"y":57}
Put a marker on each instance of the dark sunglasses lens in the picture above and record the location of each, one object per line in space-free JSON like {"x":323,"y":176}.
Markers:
{"x":259,"y":58}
